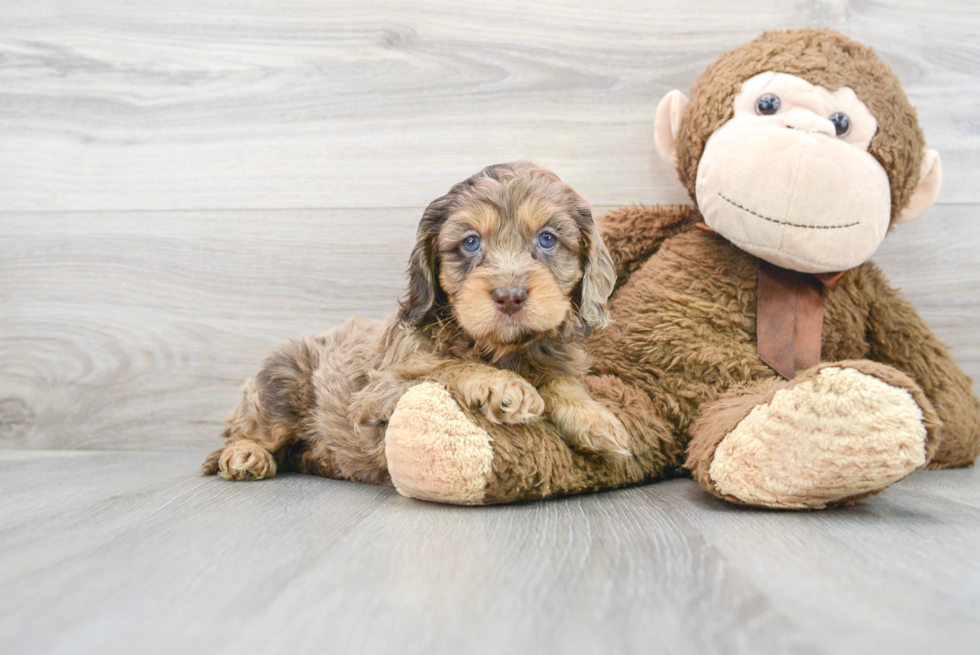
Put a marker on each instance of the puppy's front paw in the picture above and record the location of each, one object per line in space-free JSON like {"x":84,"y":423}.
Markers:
{"x":592,"y":429}
{"x":504,"y":397}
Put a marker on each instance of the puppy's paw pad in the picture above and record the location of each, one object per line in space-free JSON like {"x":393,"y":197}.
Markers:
{"x":512,"y":400}
{"x":246,"y":460}
{"x":609,"y":435}
{"x":597,"y":430}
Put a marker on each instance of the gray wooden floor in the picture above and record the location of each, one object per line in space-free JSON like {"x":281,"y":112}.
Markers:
{"x":186,"y":183}
{"x":124,"y":552}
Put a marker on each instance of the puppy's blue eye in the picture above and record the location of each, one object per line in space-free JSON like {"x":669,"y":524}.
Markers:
{"x":471,"y":244}
{"x":547,"y":240}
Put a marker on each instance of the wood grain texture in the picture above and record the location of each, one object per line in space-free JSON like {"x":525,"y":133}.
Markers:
{"x":130,"y":331}
{"x":153,"y":559}
{"x":136,"y":330}
{"x":213,"y":104}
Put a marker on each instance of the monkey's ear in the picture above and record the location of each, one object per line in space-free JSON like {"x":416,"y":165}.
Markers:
{"x":930,"y":179}
{"x":598,"y":280}
{"x":667,"y":124}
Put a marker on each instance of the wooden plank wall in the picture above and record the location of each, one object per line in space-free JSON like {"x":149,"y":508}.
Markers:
{"x":183,"y":184}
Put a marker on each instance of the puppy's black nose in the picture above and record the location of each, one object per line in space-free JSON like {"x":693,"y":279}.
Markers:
{"x":509,"y":300}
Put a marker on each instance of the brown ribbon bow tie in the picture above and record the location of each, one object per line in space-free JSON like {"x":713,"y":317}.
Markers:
{"x":789,"y":324}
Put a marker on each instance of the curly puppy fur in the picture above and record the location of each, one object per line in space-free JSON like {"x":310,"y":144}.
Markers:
{"x":507,"y":272}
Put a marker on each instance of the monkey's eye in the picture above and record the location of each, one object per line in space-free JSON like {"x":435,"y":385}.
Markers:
{"x":547,"y":240}
{"x":842,"y":124}
{"x":767,"y":105}
{"x":471,"y":244}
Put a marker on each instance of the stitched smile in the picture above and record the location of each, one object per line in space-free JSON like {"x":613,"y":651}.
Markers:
{"x":773,"y":220}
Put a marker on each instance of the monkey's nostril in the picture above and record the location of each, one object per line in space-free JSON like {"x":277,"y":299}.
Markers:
{"x":509,"y":300}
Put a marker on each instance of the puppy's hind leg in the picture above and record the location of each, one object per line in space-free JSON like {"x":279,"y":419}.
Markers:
{"x":246,"y":460}
{"x":248,"y":454}
{"x":271,"y":414}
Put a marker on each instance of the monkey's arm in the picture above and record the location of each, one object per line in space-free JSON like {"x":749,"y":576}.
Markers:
{"x":634,"y":233}
{"x":898,"y":336}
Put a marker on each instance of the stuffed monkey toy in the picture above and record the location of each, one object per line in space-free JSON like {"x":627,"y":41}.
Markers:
{"x":752,"y":344}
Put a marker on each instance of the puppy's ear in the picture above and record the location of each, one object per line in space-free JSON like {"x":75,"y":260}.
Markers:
{"x":424,"y":292}
{"x":599,"y":275}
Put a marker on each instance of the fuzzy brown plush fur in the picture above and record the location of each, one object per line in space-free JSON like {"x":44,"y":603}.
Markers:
{"x":507,"y":268}
{"x":679,"y":363}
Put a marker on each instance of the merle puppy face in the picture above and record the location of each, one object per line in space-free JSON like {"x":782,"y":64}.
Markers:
{"x":511,"y":253}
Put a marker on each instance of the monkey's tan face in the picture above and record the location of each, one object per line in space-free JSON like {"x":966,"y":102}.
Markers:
{"x":508,"y":270}
{"x":789,"y":178}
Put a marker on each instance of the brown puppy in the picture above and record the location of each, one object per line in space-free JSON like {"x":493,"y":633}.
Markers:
{"x":507,"y":271}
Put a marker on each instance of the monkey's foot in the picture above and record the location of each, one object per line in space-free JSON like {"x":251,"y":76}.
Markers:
{"x":434,"y":451}
{"x":830,"y":437}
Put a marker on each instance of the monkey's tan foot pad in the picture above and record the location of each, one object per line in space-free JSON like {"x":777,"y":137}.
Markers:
{"x":246,"y":460}
{"x":434,"y":451}
{"x":836,"y":435}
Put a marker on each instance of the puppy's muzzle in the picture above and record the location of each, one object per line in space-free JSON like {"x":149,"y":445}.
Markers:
{"x":509,"y":300}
